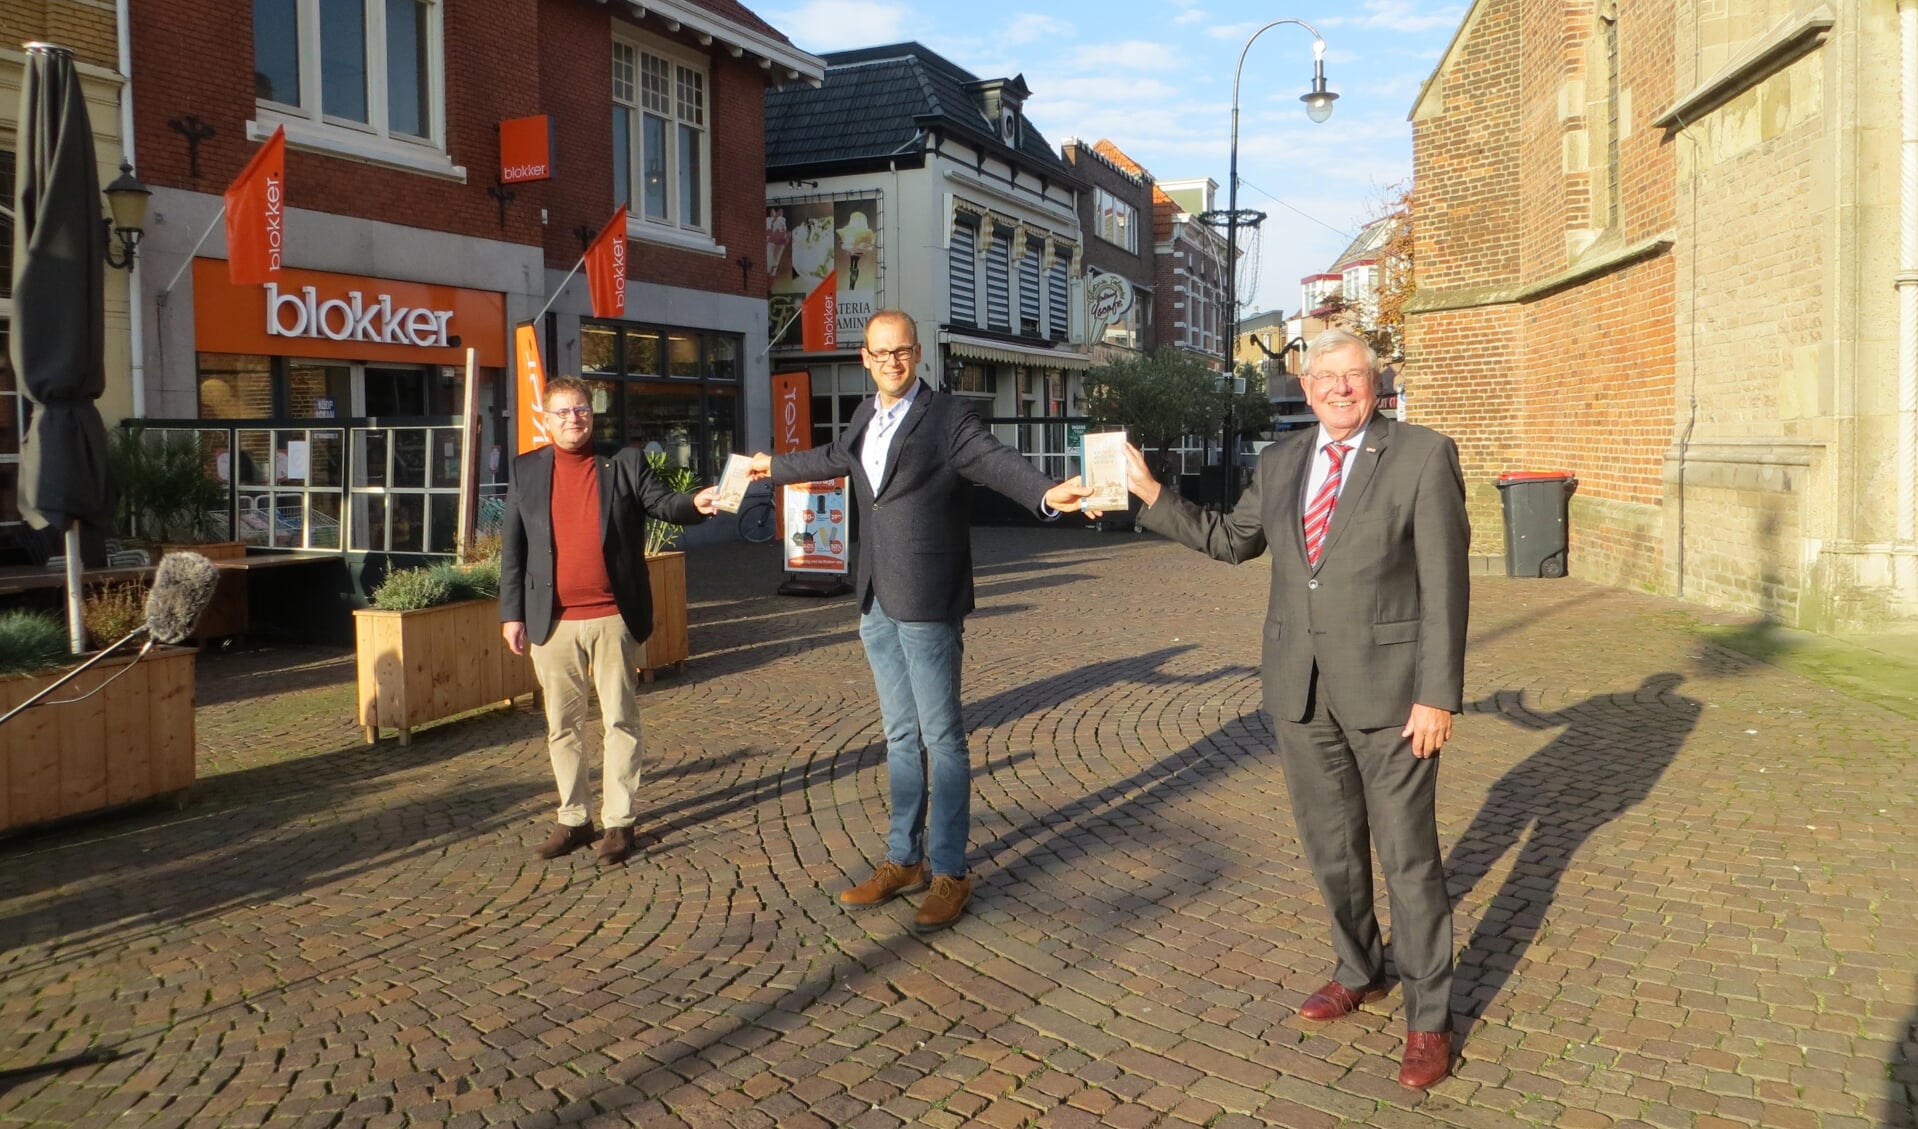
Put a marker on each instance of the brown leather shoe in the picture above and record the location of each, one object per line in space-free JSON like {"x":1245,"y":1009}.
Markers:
{"x":1335,"y":1000}
{"x":614,"y":846}
{"x":886,"y":883}
{"x":565,"y":840}
{"x":943,"y":906}
{"x":1428,"y":1059}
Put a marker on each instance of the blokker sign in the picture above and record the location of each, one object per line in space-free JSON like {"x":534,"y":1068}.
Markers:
{"x":354,"y":318}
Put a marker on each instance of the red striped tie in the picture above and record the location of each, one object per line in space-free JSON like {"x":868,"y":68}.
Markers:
{"x":1318,"y":515}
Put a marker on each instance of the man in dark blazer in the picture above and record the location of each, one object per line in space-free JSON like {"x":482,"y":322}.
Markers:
{"x":1363,"y":668}
{"x":912,"y":455}
{"x":573,"y":584}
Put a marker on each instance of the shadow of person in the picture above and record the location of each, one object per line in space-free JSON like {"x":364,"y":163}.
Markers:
{"x":1613,"y":749}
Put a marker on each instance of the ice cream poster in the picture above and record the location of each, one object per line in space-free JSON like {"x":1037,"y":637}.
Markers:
{"x":819,"y":243}
{"x":814,"y":536}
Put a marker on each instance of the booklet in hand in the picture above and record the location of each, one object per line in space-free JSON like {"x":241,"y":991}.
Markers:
{"x":1102,"y":468}
{"x":733,"y":483}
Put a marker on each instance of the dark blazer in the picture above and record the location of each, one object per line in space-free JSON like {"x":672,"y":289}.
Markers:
{"x":1383,"y":613}
{"x":915,"y":551}
{"x":629,"y":492}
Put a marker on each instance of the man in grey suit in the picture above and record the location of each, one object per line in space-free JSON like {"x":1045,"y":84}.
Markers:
{"x":912,"y":455}
{"x":1363,"y":668}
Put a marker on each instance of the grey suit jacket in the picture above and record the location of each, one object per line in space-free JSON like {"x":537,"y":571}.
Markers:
{"x":1382,"y":615}
{"x":915,"y":552}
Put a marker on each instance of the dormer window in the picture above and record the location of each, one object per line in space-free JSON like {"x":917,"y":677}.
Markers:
{"x":1009,"y":125}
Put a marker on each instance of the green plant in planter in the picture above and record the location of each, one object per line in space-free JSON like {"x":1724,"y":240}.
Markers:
{"x":165,"y":492}
{"x":429,"y":586}
{"x":663,"y":535}
{"x":31,"y":642}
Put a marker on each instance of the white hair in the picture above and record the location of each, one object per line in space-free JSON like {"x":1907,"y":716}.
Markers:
{"x":1335,"y":339}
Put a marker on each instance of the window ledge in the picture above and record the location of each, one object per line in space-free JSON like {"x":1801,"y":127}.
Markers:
{"x":353,"y":145}
{"x":646,"y":231}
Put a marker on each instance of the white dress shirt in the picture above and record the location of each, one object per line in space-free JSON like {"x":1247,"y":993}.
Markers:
{"x":879,"y":432}
{"x":1322,"y":462}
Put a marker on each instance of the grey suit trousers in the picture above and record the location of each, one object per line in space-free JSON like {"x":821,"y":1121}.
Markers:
{"x":1335,"y":776}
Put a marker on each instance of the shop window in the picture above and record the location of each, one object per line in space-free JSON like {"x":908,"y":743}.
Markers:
{"x":318,"y":390}
{"x":397,"y":391}
{"x":661,"y":161}
{"x":598,"y":348}
{"x":405,"y":490}
{"x":362,"y":76}
{"x":675,"y":388}
{"x":235,"y":386}
{"x":288,"y":493}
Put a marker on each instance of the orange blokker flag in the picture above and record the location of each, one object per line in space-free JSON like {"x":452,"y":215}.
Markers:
{"x":819,"y":316}
{"x":256,"y":215}
{"x":529,"y":389}
{"x":606,"y":268}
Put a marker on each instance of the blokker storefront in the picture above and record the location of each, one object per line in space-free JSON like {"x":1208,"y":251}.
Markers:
{"x":329,"y":404}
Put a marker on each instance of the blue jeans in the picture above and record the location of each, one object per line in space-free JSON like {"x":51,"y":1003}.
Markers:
{"x":915,"y":667}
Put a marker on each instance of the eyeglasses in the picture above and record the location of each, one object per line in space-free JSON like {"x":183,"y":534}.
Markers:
{"x":903,"y":356}
{"x":578,"y":411}
{"x":1352,"y":376}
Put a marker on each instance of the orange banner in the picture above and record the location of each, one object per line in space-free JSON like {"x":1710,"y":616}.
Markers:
{"x":529,"y":389}
{"x":256,"y":215}
{"x":606,"y":268}
{"x":792,"y":412}
{"x":819,"y":316}
{"x":310,"y":313}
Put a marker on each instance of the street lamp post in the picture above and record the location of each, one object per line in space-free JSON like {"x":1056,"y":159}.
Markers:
{"x":1318,"y":106}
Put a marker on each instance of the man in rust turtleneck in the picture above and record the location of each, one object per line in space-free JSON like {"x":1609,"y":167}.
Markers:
{"x":573,"y":584}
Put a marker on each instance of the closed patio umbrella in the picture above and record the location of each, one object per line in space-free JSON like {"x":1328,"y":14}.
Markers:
{"x":59,"y":308}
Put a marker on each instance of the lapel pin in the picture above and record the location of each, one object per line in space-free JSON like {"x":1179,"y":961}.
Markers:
{"x":1371,"y":450}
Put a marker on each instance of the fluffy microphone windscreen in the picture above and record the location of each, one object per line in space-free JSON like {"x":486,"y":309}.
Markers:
{"x":182,"y":588}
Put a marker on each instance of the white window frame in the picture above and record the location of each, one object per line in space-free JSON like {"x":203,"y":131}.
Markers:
{"x":639,"y":225}
{"x":1114,"y":220}
{"x":309,"y":127}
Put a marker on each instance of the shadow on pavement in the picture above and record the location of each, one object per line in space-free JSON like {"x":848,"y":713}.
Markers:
{"x":743,"y":643}
{"x":1901,"y":1087}
{"x":237,"y":843}
{"x":1612,"y":752}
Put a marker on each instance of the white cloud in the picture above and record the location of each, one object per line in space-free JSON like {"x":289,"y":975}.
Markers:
{"x":1034,"y":26}
{"x":1400,"y":16}
{"x":834,"y":25}
{"x":1139,"y":55}
{"x":1189,"y":16}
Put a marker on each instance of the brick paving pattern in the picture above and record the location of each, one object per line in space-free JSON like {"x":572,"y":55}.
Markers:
{"x":1685,"y":883}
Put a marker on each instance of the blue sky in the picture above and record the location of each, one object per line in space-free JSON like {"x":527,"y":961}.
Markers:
{"x":1155,"y":76}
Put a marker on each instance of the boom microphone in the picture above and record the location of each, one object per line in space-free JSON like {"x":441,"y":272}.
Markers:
{"x":182,"y":588}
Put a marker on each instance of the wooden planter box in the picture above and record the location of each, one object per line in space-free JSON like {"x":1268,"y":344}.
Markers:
{"x":132,"y":741}
{"x":667,"y":649}
{"x":422,"y":666}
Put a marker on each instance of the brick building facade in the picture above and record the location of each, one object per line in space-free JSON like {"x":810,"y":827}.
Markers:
{"x":1542,"y":331}
{"x":1652,"y":249}
{"x":395,"y":189}
{"x":1115,"y":213}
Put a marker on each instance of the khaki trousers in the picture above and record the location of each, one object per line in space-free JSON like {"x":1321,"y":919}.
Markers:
{"x":603,"y":654}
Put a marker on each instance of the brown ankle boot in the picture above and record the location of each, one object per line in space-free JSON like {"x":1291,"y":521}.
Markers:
{"x":886,"y":883}
{"x":565,"y":840}
{"x":614,"y":846}
{"x":943,"y":906}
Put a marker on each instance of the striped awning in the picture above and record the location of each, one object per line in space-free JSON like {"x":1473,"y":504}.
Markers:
{"x":1006,"y":352}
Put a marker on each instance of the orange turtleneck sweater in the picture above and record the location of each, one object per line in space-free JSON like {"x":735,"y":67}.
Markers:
{"x":581,"y":587}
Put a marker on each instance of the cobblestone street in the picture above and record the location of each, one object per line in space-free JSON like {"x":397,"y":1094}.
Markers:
{"x":1687,"y":890}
